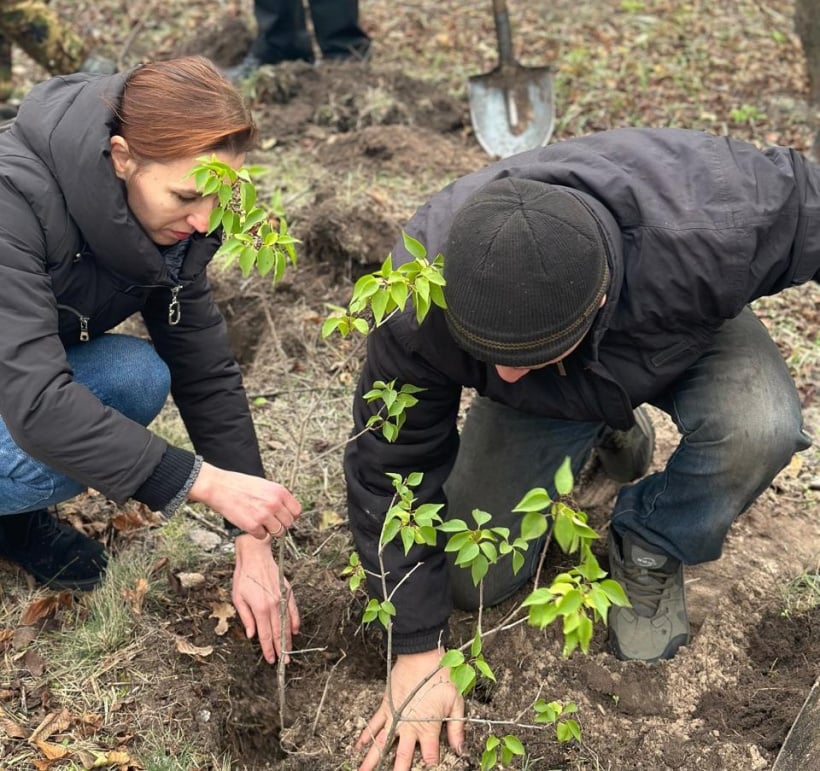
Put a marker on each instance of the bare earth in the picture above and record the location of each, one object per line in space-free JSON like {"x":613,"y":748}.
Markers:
{"x":354,"y":149}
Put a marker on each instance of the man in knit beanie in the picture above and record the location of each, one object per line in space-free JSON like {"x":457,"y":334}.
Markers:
{"x":585,"y":280}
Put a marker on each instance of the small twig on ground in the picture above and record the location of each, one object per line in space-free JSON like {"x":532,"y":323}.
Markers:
{"x":324,"y":692}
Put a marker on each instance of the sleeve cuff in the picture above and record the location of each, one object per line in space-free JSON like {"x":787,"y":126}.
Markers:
{"x":168,"y":486}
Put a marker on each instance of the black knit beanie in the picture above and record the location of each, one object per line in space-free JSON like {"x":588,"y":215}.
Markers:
{"x":526,"y":270}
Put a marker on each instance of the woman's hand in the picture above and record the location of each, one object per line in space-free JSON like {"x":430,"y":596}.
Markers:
{"x":257,"y":597}
{"x":256,"y":505}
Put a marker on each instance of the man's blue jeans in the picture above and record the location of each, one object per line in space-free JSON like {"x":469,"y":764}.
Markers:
{"x":740,"y":420}
{"x":126,"y":374}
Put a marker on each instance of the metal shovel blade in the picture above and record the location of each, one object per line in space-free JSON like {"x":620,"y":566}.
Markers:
{"x":511,"y":107}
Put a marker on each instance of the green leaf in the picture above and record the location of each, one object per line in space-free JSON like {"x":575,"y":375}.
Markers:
{"x":563,"y":478}
{"x":567,"y":730}
{"x":479,"y":568}
{"x":379,"y":305}
{"x":414,"y":478}
{"x":265,"y":260}
{"x":391,"y":530}
{"x":453,"y":526}
{"x":483,"y":667}
{"x":513,"y":744}
{"x":253,"y":218}
{"x":464,"y":678}
{"x":453,"y":658}
{"x":398,"y":294}
{"x":541,"y":616}
{"x":533,"y":525}
{"x":615,"y":592}
{"x":414,"y":247}
{"x":247,"y":195}
{"x":570,"y":602}
{"x":489,"y":758}
{"x":564,"y":533}
{"x":247,"y":259}
{"x":407,"y":539}
{"x":536,"y":499}
{"x":467,"y":554}
{"x":214,"y":220}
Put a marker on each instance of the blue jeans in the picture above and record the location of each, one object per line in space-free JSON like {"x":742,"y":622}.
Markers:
{"x":123,"y":372}
{"x":739,"y":416}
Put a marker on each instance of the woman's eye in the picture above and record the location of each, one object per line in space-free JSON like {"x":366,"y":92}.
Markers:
{"x":186,"y":198}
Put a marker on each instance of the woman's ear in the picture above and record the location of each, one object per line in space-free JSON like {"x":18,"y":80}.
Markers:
{"x":121,"y":157}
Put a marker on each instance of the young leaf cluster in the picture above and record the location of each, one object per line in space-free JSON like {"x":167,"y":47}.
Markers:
{"x":392,"y":415}
{"x":251,"y":236}
{"x":582,"y":595}
{"x":387,"y":290}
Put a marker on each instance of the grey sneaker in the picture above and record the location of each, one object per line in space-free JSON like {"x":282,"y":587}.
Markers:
{"x":626,"y":455}
{"x":246,"y":69}
{"x":656,"y":625}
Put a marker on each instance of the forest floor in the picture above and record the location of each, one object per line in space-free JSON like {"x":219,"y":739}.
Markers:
{"x":153,"y":672}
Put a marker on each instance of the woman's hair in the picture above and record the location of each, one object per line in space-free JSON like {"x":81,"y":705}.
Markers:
{"x":181,"y":108}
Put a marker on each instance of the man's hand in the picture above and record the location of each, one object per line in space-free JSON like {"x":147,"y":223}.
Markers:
{"x":436,"y":700}
{"x":256,"y":505}
{"x":257,"y":597}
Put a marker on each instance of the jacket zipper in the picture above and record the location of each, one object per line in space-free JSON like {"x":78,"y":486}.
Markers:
{"x":84,"y":334}
{"x":174,"y":308}
{"x":174,"y":313}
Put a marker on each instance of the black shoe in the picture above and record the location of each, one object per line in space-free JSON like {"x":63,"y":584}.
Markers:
{"x":55,"y":553}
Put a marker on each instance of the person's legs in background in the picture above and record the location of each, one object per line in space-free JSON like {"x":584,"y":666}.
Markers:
{"x":126,"y":374}
{"x":338,"y":34}
{"x":281,"y":32}
{"x":740,"y":418}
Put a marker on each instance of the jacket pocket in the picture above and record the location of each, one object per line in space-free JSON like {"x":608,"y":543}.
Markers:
{"x":669,"y":354}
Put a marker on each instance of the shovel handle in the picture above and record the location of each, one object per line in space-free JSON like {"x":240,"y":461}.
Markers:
{"x":503,"y":32}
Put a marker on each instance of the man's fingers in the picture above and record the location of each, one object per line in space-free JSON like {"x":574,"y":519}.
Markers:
{"x":374,"y":754}
{"x":406,"y":748}
{"x":455,"y":726}
{"x":371,"y":730}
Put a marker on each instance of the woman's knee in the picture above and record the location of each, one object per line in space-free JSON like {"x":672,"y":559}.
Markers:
{"x":125,"y":373}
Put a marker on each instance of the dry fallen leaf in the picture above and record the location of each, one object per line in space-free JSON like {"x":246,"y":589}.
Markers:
{"x":223,"y":611}
{"x":329,"y":518}
{"x":52,"y":751}
{"x":51,"y":724}
{"x":136,"y":596}
{"x":183,"y":646}
{"x":12,"y":729}
{"x":191,"y":580}
{"x":45,"y":606}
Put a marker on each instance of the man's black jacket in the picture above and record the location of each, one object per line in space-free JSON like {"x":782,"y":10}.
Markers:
{"x":696,"y":227}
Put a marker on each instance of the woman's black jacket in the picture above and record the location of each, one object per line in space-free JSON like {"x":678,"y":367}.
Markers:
{"x":75,"y":263}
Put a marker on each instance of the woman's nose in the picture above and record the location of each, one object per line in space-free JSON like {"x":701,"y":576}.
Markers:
{"x":198,"y":218}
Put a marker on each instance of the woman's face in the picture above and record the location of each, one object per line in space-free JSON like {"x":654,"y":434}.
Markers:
{"x":162,"y":196}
